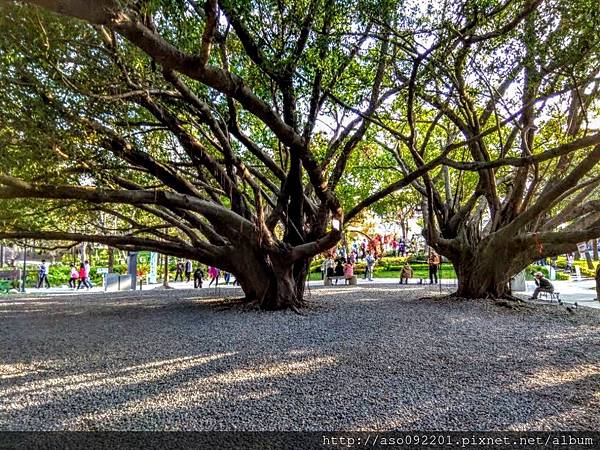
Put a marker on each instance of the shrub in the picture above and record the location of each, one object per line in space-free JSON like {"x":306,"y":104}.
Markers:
{"x":533,"y":268}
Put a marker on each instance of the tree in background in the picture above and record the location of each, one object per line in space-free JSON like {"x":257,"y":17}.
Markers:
{"x":507,"y":94}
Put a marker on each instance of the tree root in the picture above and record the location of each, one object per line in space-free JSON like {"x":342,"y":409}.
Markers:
{"x":510,"y":301}
{"x":512,"y":298}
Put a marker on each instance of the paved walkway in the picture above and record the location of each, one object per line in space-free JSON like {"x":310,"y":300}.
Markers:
{"x":582,"y":292}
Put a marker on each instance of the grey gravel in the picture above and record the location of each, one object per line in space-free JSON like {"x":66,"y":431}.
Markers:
{"x":359,"y":358}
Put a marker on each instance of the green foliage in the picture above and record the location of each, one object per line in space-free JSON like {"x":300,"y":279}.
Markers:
{"x":389,"y":265}
{"x":561,"y":276}
{"x":71,"y":93}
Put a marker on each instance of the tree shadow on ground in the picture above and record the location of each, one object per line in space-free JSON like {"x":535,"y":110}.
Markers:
{"x":361,"y":360}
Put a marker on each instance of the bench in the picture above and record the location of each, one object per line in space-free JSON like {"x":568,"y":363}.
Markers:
{"x":553,"y":295}
{"x":417,"y":280}
{"x":9,"y":279}
{"x":328,"y":279}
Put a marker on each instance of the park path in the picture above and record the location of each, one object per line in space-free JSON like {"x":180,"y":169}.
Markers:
{"x":583,"y":292}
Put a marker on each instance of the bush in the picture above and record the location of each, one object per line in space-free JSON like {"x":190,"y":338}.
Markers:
{"x":587,"y":272}
{"x":315,"y":265}
{"x":533,"y":268}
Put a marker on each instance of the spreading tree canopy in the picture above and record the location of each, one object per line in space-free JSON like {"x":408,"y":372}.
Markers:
{"x":507,"y":94}
{"x":216,"y":131}
{"x":233,"y":132}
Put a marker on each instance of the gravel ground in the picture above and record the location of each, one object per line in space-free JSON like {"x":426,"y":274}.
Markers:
{"x":360,"y":358}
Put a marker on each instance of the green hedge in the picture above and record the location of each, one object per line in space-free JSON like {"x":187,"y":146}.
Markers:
{"x":385,"y":264}
{"x":390,"y":267}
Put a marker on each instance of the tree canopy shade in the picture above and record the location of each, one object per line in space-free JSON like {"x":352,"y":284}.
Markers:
{"x":230,"y":131}
{"x":211,"y":131}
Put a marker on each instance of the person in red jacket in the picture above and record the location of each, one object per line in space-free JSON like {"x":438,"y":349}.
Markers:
{"x":82,"y":277}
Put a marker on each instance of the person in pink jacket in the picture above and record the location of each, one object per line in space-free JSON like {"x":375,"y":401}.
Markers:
{"x":348,"y":272}
{"x":213,"y":274}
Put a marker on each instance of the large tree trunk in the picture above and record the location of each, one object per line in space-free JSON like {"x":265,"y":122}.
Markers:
{"x":272,"y":287}
{"x":111,"y":259}
{"x":270,"y":281}
{"x":484,"y":269}
{"x":598,"y":283}
{"x":476,"y":281}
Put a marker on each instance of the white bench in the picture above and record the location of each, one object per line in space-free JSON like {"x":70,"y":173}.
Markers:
{"x":553,"y":295}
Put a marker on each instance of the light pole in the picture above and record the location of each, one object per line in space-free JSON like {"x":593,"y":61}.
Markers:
{"x":24,"y":267}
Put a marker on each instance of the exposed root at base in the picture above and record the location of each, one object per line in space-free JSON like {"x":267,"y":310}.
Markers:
{"x":510,"y":302}
{"x":512,"y":298}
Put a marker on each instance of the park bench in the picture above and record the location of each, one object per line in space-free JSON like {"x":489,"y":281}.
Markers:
{"x":9,"y":279}
{"x":416,"y":281}
{"x":328,"y":279}
{"x":553,"y":295}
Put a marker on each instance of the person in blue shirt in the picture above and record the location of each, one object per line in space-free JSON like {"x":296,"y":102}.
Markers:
{"x":43,"y":275}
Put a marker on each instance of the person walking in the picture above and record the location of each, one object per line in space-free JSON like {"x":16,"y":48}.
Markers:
{"x":433,"y":261}
{"x":226,"y":277}
{"x":43,"y":275}
{"x":198,"y":277}
{"x":88,"y":269}
{"x":406,"y":273}
{"x":370,"y":259}
{"x":570,"y":263}
{"x":178,"y":271}
{"x":188,"y":270}
{"x":543,"y":285}
{"x":213,"y":273}
{"x":74,"y":277}
{"x":82,"y":277}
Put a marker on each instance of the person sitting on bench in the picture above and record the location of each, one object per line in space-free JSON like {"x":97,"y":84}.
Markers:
{"x":543,"y":285}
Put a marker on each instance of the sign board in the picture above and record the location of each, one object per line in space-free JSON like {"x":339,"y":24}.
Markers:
{"x":582,"y":247}
{"x":153,"y":267}
{"x":100,"y":270}
{"x":517,"y":283}
{"x":115,"y":282}
{"x":577,"y":273}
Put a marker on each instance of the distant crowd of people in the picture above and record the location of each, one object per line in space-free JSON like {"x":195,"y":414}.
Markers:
{"x":214,"y":274}
{"x":344,"y":267}
{"x":377,"y":247}
{"x":78,"y":277}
